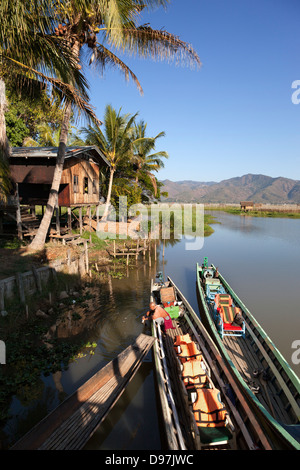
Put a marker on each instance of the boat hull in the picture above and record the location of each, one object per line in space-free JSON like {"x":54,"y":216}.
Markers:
{"x":281,"y":433}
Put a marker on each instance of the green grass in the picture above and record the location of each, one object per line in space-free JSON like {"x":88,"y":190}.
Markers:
{"x":272,"y":214}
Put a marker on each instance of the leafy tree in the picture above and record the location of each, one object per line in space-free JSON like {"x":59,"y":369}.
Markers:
{"x":16,"y":128}
{"x":27,"y":115}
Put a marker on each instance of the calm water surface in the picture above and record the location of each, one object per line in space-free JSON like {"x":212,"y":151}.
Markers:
{"x":260,"y":259}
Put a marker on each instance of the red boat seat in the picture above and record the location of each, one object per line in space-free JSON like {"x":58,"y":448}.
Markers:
{"x":229,"y":326}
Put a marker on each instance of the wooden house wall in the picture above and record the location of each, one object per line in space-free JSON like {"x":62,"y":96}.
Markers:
{"x":82,"y":194}
{"x":35,"y":176}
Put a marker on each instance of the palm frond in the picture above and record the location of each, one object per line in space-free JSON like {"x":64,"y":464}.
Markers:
{"x":101,"y":57}
{"x":158,"y":44}
{"x":68,"y":93}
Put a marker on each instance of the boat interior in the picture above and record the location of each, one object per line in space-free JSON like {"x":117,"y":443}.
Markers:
{"x":202,"y":418}
{"x":253,"y":356}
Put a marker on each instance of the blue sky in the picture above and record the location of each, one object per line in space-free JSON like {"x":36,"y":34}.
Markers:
{"x":232,"y":116}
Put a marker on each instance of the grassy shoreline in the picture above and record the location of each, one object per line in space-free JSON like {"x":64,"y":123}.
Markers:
{"x":257,"y":213}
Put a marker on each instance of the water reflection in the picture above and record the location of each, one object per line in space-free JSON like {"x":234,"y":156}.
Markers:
{"x":133,"y":423}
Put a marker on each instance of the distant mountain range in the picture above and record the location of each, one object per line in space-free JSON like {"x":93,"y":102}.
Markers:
{"x":256,"y":188}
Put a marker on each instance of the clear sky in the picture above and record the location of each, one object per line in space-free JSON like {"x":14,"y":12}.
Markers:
{"x":235,"y":114}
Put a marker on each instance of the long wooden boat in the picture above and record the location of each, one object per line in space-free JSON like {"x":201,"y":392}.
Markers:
{"x":74,"y":421}
{"x":266,"y":379}
{"x":179,"y":393}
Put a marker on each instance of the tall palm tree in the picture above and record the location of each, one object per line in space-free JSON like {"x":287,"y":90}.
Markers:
{"x":96,"y":30}
{"x":144,"y":160}
{"x":115,"y":142}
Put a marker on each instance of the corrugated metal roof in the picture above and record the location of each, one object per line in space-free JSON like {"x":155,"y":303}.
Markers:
{"x":51,"y":152}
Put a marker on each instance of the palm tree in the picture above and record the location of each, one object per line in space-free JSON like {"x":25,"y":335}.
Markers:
{"x":31,"y":59}
{"x":95,"y":30}
{"x":144,"y":160}
{"x":49,"y":137}
{"x":115,"y":142}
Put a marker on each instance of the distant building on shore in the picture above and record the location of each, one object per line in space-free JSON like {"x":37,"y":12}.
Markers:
{"x":247,"y":206}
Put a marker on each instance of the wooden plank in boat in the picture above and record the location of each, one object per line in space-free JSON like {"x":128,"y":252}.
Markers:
{"x":291,"y":398}
{"x":268,"y":394}
{"x":242,"y":368}
{"x":101,"y":390}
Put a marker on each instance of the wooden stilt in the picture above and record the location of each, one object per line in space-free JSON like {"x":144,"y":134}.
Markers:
{"x":57,"y":220}
{"x":97,"y":215}
{"x":90,"y":218}
{"x":80,"y":220}
{"x":86,"y":256}
{"x":18,"y":214}
{"x":69,"y":219}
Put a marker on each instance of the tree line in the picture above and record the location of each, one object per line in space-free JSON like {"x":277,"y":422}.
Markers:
{"x":45,"y":46}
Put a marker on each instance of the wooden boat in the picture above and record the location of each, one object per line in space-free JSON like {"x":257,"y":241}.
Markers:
{"x":74,"y":421}
{"x":177,"y":396}
{"x":263,"y":375}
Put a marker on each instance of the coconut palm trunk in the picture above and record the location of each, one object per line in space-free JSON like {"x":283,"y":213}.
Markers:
{"x":108,"y":198}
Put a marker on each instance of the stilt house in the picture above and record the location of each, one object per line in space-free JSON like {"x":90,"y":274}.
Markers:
{"x":32,"y":170}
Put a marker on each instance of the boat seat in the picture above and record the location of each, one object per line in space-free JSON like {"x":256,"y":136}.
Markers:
{"x":213,"y":287}
{"x":227,"y":313}
{"x":215,"y":436}
{"x":188,"y":351}
{"x":193,"y":374}
{"x":212,"y":282}
{"x":182,"y":339}
{"x":225,"y":321}
{"x":208,"y":409}
{"x":223,"y":299}
{"x":211,"y":419}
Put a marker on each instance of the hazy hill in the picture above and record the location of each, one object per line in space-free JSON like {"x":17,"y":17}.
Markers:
{"x":256,"y":188}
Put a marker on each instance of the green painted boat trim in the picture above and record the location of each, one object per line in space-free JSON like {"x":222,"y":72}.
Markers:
{"x":275,"y":351}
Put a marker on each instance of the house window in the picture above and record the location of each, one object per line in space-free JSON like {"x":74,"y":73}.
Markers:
{"x":85,"y":185}
{"x":75,"y":184}
{"x":94,"y":186}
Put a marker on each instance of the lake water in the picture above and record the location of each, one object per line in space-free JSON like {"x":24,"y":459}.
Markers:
{"x":259,"y":257}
